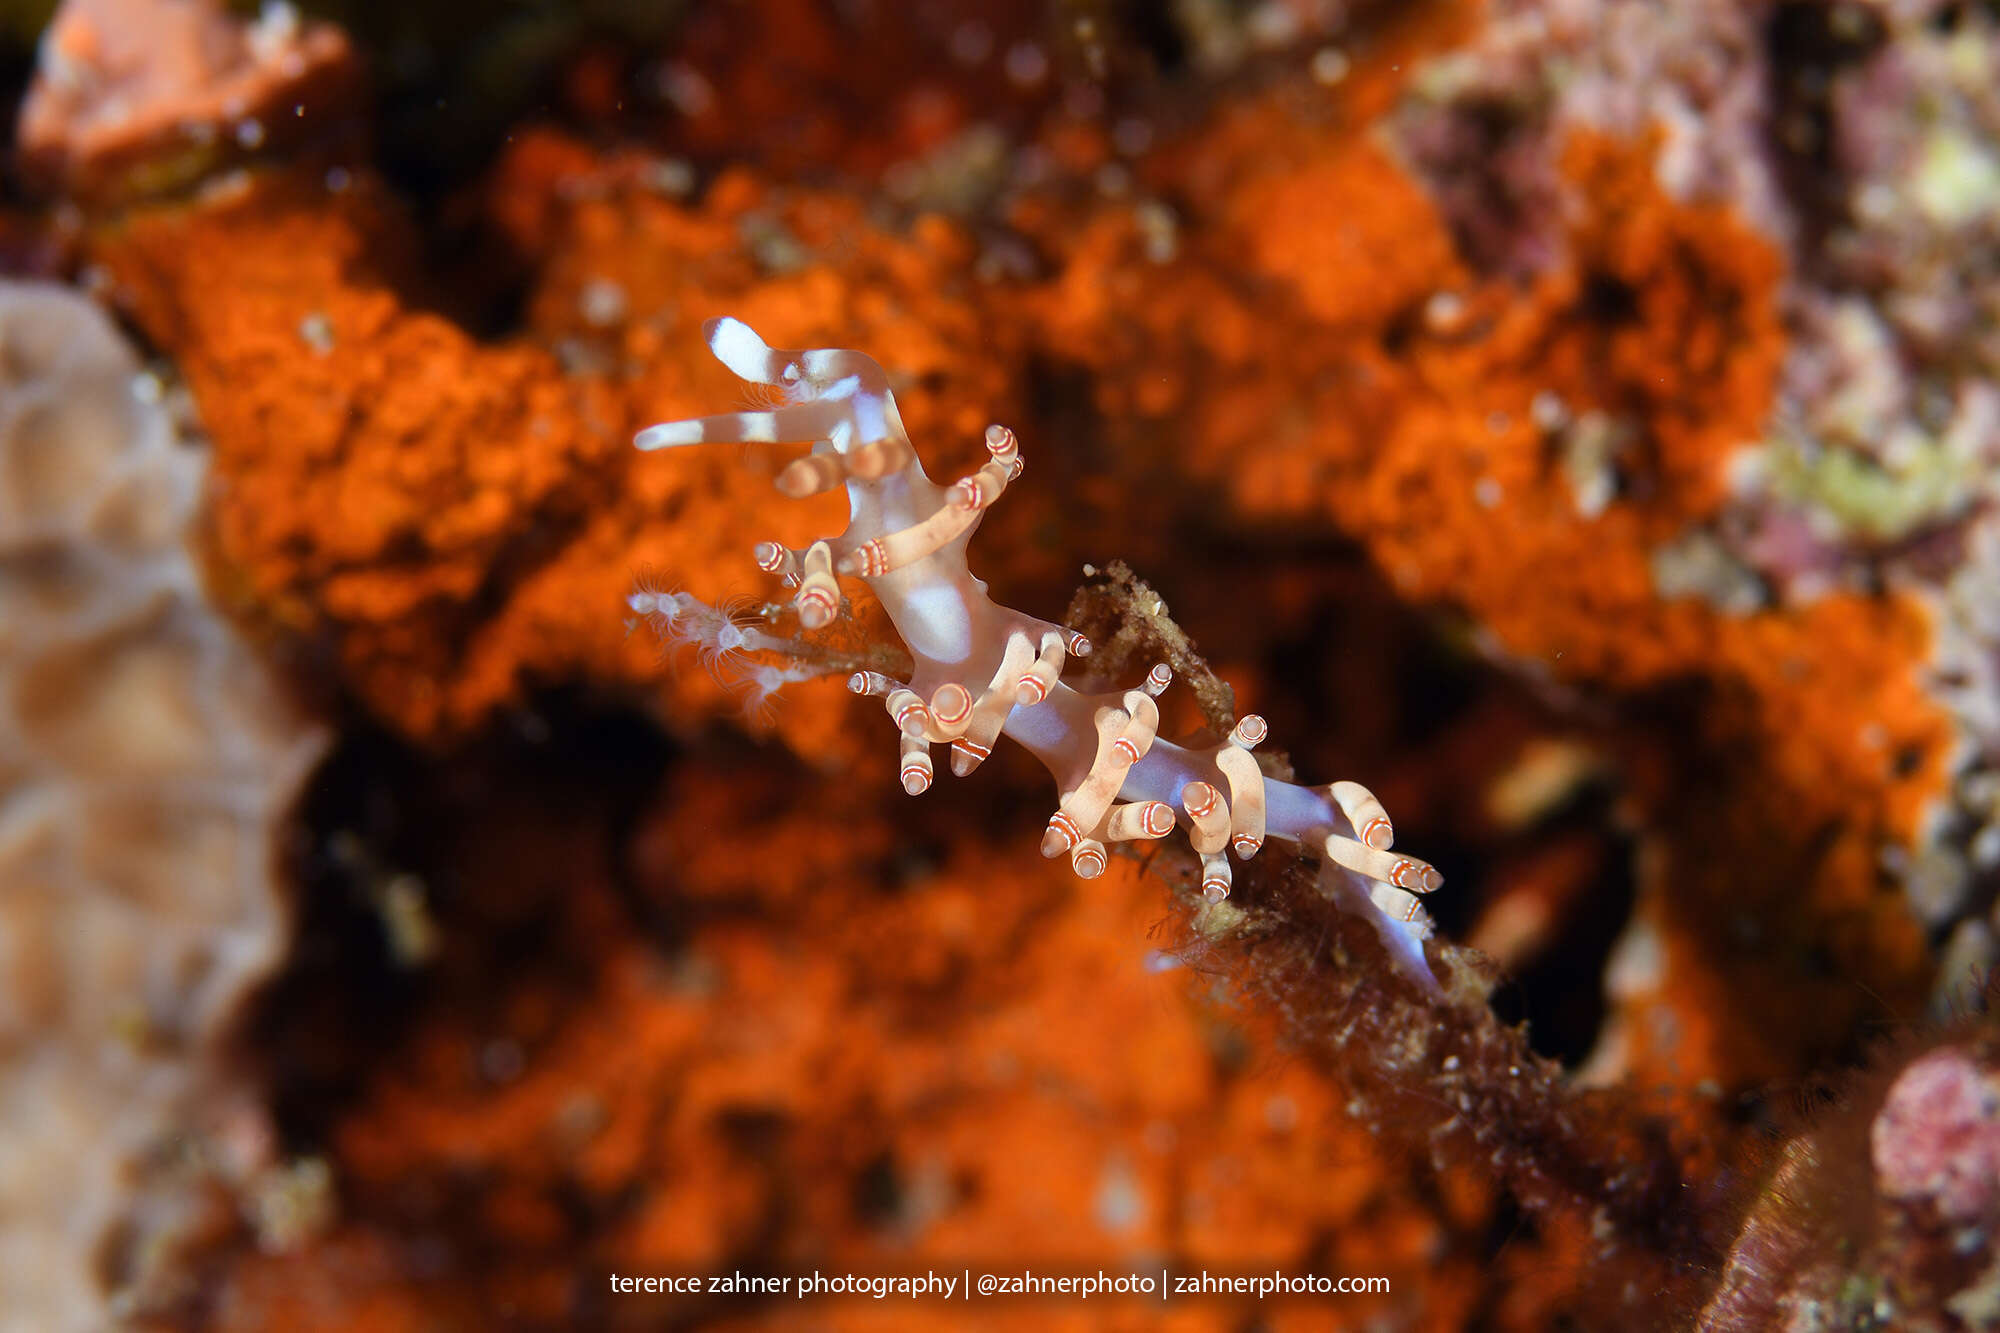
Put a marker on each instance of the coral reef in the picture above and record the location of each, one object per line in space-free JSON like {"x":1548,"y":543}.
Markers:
{"x":1642,"y":365}
{"x":1575,"y":418}
{"x":150,"y":761}
{"x":1862,"y":137}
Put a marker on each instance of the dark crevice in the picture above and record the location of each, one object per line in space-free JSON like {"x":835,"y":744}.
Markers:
{"x":1809,"y":44}
{"x":380,"y":820}
{"x":1560,"y":994}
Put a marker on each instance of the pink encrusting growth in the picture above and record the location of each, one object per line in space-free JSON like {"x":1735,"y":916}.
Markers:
{"x":984,"y":670}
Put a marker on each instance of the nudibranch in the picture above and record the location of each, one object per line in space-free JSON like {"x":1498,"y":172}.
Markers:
{"x":983,"y":671}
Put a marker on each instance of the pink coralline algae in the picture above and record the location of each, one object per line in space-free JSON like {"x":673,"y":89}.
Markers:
{"x":1936,"y":1142}
{"x":1880,"y":1212}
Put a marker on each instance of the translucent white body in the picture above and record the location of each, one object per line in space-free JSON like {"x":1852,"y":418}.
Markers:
{"x":906,"y":538}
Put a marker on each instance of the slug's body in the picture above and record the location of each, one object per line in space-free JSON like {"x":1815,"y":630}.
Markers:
{"x":983,"y":670}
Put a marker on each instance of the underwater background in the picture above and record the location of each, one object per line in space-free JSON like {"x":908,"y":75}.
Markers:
{"x":1576,"y":420}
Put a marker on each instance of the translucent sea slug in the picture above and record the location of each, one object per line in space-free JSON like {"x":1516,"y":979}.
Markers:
{"x":983,"y":671}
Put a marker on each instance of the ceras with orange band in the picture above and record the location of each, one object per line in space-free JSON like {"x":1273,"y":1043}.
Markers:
{"x":983,"y":670}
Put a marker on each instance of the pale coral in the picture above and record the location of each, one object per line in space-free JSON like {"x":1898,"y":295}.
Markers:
{"x":148,"y":762}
